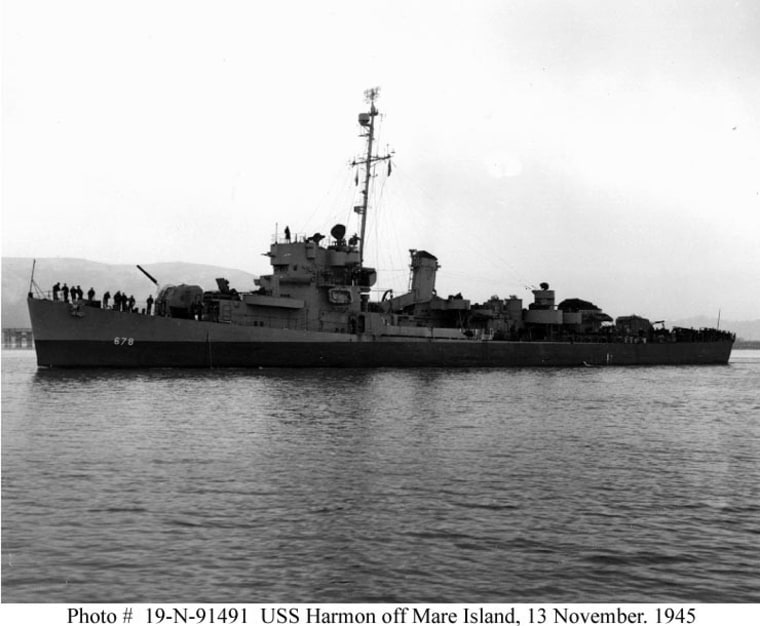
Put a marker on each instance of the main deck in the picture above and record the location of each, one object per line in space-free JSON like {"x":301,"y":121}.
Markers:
{"x":91,"y":337}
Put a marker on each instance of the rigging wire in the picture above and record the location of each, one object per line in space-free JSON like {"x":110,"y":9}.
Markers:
{"x":338,"y":194}
{"x":385,"y":261}
{"x":344,"y":194}
{"x":465,"y":237}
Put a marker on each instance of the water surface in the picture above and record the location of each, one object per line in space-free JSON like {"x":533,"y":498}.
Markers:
{"x":526,"y":485}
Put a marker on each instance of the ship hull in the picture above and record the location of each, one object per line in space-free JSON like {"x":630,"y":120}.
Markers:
{"x":90,"y":337}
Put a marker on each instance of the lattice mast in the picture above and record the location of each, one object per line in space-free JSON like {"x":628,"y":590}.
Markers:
{"x":367,"y":121}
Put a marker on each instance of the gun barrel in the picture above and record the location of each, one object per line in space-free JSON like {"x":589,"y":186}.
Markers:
{"x":155,"y":282}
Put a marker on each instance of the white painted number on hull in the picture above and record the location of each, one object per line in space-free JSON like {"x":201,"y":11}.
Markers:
{"x":123,"y":341}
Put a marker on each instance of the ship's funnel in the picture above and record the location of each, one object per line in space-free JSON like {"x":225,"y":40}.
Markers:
{"x":424,"y":267}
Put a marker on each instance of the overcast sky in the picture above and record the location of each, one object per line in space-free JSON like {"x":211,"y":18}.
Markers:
{"x":609,"y":148}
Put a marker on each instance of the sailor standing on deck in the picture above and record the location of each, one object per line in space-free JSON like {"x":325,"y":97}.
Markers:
{"x":149,"y":304}
{"x":65,"y":290}
{"x":56,"y":289}
{"x":106,"y":297}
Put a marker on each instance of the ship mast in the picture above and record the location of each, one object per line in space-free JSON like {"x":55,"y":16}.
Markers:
{"x":367,"y":120}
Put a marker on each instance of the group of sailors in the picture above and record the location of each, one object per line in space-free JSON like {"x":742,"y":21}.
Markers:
{"x":121,"y":302}
{"x":75,"y":292}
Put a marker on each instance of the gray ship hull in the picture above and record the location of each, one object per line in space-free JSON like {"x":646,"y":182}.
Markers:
{"x":91,"y":337}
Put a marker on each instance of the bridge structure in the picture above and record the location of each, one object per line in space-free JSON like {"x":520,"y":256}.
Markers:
{"x":18,"y":338}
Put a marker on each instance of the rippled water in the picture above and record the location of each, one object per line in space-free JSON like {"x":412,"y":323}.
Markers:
{"x":594,"y":485}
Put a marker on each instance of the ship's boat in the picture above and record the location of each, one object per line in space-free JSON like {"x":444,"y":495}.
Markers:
{"x":314,"y":310}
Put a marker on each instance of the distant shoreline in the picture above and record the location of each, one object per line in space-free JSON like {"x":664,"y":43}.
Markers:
{"x":746,"y":345}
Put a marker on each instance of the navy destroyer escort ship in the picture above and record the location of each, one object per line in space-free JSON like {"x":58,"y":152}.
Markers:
{"x":314,"y":310}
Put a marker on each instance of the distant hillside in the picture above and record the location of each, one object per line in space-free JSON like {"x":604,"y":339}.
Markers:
{"x":127,"y":278}
{"x":100,"y":276}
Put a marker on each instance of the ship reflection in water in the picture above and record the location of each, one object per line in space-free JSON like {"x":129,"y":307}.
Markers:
{"x":434,"y":485}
